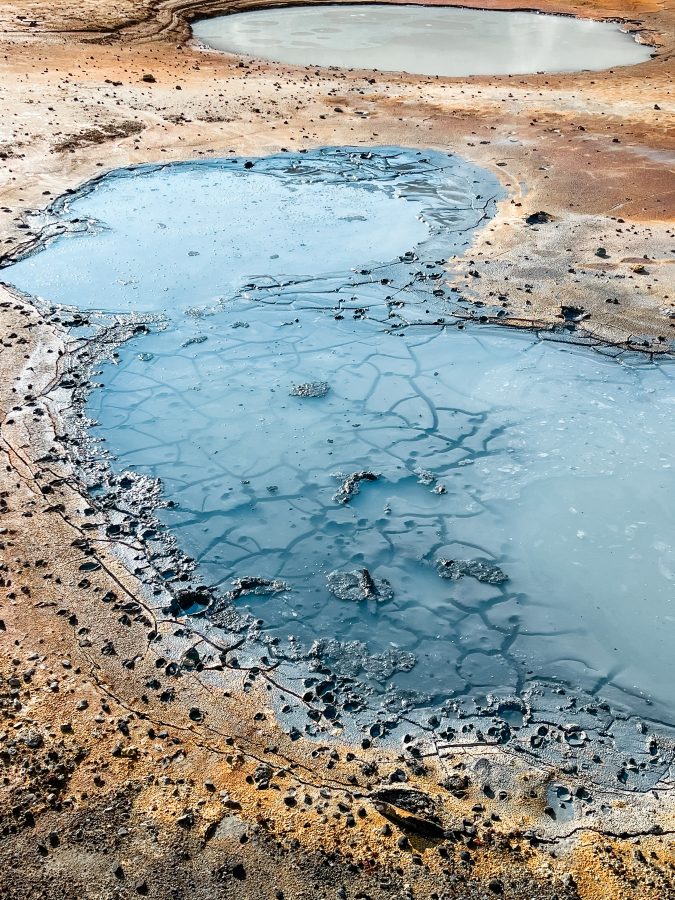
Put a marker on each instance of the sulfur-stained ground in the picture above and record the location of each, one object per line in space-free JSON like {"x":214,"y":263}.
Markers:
{"x":121,"y":779}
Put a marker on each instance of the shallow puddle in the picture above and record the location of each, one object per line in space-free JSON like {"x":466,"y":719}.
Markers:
{"x":436,"y":513}
{"x":423,"y":40}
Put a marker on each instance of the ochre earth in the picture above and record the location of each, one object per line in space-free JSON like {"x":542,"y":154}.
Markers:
{"x":110,"y":787}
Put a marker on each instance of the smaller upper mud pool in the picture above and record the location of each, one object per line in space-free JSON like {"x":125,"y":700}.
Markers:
{"x":407,"y":517}
{"x":424,"y":41}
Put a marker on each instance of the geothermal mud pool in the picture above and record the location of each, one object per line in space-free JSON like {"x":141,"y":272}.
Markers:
{"x":418,"y":524}
{"x":417,"y":39}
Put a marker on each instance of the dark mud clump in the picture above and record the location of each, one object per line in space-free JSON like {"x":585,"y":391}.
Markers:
{"x":310,"y":389}
{"x":358,"y":585}
{"x":480,"y":569}
{"x":351,"y":484}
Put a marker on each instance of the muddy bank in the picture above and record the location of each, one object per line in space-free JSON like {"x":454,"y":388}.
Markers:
{"x":124,"y":779}
{"x":168,"y":777}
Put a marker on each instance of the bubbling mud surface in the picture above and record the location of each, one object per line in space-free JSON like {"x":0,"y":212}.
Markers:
{"x":401,"y":515}
{"x":422,"y":40}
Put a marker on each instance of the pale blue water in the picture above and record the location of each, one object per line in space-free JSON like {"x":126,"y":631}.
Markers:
{"x":552,"y":462}
{"x":423,"y":40}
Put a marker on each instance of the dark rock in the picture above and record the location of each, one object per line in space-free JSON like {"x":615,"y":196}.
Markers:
{"x":574,"y":313}
{"x":187,"y":820}
{"x":411,"y":810}
{"x":539,"y":218}
{"x":262,"y":775}
{"x":409,"y":799}
{"x":33,"y":740}
{"x":457,"y":784}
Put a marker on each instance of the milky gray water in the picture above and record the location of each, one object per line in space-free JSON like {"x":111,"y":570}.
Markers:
{"x":512,"y":520}
{"x":423,"y":40}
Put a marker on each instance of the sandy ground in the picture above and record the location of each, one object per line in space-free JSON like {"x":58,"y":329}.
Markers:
{"x":595,"y":151}
{"x":109,"y":787}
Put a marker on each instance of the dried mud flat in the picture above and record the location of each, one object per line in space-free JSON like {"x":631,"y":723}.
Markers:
{"x":126,"y":772}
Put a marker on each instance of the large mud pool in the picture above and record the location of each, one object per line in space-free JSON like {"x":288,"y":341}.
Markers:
{"x":423,"y":40}
{"x":407,"y":517}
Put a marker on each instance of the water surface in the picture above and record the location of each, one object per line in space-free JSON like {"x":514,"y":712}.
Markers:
{"x":423,"y":40}
{"x":513,"y":522}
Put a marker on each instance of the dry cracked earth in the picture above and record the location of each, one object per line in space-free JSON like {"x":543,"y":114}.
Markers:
{"x":125,"y":772}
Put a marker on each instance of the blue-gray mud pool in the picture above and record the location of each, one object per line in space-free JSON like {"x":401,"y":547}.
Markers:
{"x":431,"y":519}
{"x":424,"y":40}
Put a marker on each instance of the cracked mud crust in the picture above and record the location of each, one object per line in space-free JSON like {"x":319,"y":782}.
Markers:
{"x":121,"y":778}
